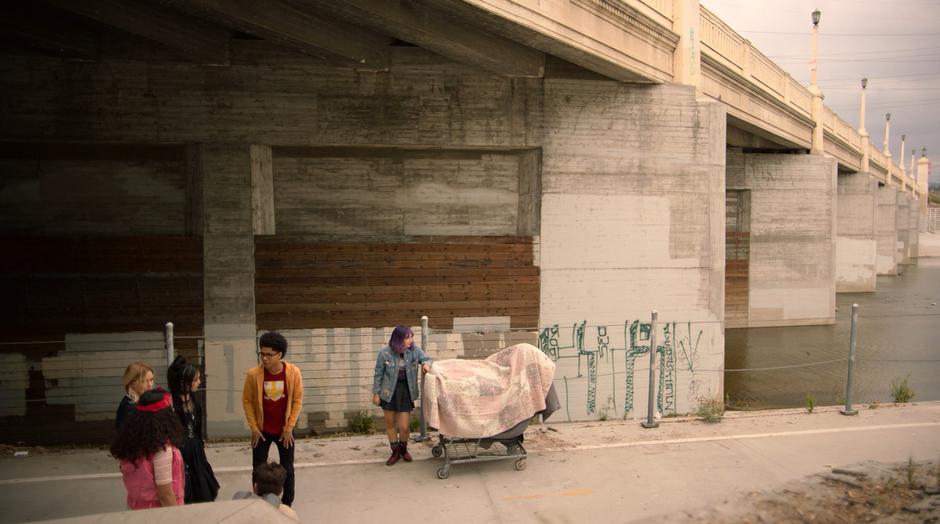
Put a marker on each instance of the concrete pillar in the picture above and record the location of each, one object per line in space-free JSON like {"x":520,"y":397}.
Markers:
{"x":923,"y":173}
{"x":687,"y":59}
{"x":856,"y":247}
{"x":792,"y":238}
{"x":817,"y":113}
{"x":229,"y":287}
{"x":886,"y":230}
{"x":914,"y":228}
{"x":632,"y":219}
{"x":902,"y":222}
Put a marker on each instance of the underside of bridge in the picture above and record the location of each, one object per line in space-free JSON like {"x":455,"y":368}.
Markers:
{"x":801,"y":227}
{"x":331,"y":169}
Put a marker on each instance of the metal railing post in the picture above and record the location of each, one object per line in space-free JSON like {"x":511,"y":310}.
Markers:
{"x":168,"y":342}
{"x":849,"y":410}
{"x":424,"y":346}
{"x":650,"y":422}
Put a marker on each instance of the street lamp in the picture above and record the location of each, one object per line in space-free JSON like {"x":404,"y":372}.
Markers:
{"x":866,"y":144}
{"x":817,"y":111}
{"x":887,"y":148}
{"x":861,"y":116}
{"x":901,"y":158}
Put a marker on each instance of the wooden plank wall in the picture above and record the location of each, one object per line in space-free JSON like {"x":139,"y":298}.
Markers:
{"x":303,"y":284}
{"x":737,"y":257}
{"x":76,"y":312}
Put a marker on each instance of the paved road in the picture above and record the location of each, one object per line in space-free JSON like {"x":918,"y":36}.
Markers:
{"x":608,"y":472}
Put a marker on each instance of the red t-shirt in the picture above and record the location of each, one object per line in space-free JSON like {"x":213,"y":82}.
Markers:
{"x":274,"y":402}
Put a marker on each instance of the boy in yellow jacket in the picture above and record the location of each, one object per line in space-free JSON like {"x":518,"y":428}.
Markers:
{"x":272,"y":398}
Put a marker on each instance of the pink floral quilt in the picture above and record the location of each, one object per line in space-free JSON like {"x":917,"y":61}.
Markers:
{"x":482,"y":398}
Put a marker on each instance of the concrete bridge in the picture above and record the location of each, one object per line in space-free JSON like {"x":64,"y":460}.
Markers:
{"x":538,"y":170}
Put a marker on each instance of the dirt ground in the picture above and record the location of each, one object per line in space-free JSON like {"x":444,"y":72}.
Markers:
{"x":866,"y":492}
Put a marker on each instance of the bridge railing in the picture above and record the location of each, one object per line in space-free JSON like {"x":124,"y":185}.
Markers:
{"x":659,"y":10}
{"x":721,"y":43}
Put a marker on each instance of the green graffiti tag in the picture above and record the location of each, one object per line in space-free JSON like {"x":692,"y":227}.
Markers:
{"x":671,"y":349}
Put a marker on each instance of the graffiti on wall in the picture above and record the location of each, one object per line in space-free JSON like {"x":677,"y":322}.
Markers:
{"x":677,"y":347}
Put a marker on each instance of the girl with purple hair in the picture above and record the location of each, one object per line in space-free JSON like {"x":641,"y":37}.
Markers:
{"x":395,"y":388}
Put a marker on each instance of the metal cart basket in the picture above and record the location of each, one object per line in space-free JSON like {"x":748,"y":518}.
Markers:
{"x":504,"y":446}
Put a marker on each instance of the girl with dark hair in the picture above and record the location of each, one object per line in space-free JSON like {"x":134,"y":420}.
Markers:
{"x":147,"y":446}
{"x":395,"y":388}
{"x":184,"y":380}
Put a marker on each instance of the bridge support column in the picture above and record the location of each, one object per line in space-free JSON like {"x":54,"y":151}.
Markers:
{"x":903,"y":221}
{"x":887,"y":231}
{"x":632,"y":219}
{"x":228,"y":286}
{"x":914,"y":227}
{"x":792,"y":268}
{"x":856,"y":246}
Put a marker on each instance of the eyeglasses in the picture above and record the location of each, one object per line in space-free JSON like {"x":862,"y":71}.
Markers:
{"x":262,"y":354}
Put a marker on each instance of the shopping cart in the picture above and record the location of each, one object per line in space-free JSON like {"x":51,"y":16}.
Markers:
{"x":504,"y":446}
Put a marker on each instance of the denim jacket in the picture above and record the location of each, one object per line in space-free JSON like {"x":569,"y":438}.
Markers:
{"x":386,"y":371}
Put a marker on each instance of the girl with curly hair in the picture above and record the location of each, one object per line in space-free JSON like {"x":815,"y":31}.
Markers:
{"x":148,"y":447}
{"x":184,"y":380}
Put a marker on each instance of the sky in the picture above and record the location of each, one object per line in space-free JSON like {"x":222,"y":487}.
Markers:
{"x":895,"y":44}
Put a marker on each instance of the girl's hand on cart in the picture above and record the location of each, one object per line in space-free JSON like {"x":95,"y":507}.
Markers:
{"x":375,"y":399}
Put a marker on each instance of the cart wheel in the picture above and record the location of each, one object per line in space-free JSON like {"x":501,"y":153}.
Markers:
{"x":437,"y":451}
{"x":442,"y":473}
{"x":520,"y":464}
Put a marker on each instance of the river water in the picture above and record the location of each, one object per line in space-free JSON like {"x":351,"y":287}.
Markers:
{"x":898,"y":337}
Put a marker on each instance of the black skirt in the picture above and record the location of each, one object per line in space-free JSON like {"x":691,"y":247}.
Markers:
{"x":201,"y":485}
{"x":401,"y":398}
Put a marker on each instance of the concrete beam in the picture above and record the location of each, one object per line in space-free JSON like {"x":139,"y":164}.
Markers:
{"x":751,"y":138}
{"x":29,"y":24}
{"x":445,"y":35}
{"x":301,"y":27}
{"x":199,"y":41}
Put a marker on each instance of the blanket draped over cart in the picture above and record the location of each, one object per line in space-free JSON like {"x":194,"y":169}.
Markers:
{"x":481,"y":398}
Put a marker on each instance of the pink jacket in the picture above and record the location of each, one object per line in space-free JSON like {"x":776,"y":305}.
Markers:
{"x":141,"y":485}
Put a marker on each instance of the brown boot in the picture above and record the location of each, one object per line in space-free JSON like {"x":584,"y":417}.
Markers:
{"x":403,"y":446}
{"x":396,"y":454}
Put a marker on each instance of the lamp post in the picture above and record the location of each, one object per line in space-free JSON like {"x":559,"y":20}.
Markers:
{"x":812,"y":64}
{"x":903,"y":169}
{"x":861,"y":113}
{"x":887,"y":148}
{"x":817,"y":146}
{"x":866,"y":154}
